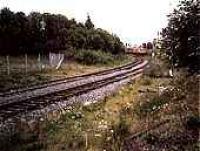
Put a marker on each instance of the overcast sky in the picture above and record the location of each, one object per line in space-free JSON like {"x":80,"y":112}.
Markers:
{"x":134,"y":21}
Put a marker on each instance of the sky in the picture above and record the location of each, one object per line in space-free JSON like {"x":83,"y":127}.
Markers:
{"x":134,"y":21}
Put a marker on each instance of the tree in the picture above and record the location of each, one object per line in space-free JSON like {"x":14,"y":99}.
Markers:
{"x":181,"y":37}
{"x":20,"y":33}
{"x":149,"y":45}
{"x":7,"y":30}
{"x":88,"y":23}
{"x":96,"y":41}
{"x":144,"y":45}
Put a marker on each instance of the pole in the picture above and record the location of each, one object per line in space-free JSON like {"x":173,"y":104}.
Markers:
{"x":39,"y":62}
{"x":86,"y":140}
{"x":8,"y":65}
{"x":26,"y":63}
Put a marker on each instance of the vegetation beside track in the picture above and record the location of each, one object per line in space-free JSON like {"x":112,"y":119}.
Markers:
{"x":136,"y":107}
{"x":155,"y":113}
{"x":155,"y":99}
{"x":76,"y":63}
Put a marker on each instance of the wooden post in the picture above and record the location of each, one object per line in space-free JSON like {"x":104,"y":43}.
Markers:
{"x":26,"y":63}
{"x":8,"y":65}
{"x":39,"y":62}
{"x":86,"y":140}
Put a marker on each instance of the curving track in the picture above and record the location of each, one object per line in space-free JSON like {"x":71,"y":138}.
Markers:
{"x":65,"y":80}
{"x":38,"y":97}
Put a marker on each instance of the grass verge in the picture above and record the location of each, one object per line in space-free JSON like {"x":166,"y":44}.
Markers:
{"x":136,"y":107}
{"x":77,"y":63}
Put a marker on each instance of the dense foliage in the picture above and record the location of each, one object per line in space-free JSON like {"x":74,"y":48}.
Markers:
{"x":46,"y":32}
{"x":94,"y":57}
{"x":149,"y":45}
{"x":182,"y":35}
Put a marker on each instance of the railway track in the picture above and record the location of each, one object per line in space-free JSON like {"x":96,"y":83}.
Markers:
{"x":68,"y":79}
{"x":15,"y":107}
{"x":60,"y":85}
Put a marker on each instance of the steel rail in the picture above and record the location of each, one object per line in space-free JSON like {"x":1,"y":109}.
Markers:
{"x":14,"y":108}
{"x":68,"y":79}
{"x":25,"y":96}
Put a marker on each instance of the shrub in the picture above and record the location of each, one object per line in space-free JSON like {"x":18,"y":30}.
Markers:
{"x":92,"y":57}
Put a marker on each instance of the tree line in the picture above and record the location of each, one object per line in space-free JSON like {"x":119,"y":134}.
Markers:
{"x":36,"y":32}
{"x":181,"y":37}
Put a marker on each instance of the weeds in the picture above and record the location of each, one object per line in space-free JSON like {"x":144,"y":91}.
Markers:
{"x":106,"y":124}
{"x":117,"y":134}
{"x":147,"y":81}
{"x":145,"y":108}
{"x":14,"y":81}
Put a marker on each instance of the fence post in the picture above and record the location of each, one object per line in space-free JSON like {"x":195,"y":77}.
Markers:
{"x":39,"y":61}
{"x":86,"y":140}
{"x":8,"y":65}
{"x":26,"y":62}
{"x":50,"y":59}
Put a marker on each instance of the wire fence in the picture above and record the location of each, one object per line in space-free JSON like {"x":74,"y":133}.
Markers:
{"x":25,"y":64}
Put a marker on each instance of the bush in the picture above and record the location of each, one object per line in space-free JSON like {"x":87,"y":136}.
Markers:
{"x":93,"y":57}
